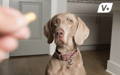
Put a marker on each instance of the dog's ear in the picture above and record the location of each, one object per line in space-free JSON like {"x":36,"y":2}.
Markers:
{"x":48,"y":32}
{"x":81,"y":33}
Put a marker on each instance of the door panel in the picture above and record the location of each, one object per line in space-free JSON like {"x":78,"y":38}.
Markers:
{"x":37,"y":25}
{"x":36,"y":44}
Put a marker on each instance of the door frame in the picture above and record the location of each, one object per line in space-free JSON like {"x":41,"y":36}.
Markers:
{"x":5,"y":3}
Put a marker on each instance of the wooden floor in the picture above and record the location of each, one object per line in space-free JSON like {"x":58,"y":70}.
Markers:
{"x":95,"y":64}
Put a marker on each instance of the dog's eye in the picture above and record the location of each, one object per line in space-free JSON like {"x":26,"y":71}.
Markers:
{"x":70,"y":20}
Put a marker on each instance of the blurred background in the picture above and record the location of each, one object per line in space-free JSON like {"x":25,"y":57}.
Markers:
{"x":100,"y":51}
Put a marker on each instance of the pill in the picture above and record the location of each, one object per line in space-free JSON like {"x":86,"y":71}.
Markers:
{"x":30,"y":17}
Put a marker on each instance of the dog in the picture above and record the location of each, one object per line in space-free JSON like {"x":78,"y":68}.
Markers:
{"x":68,"y":31}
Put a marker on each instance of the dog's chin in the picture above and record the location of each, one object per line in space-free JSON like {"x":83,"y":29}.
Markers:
{"x":60,"y":43}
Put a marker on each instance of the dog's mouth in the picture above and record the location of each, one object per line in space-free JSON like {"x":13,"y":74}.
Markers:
{"x":59,"y":40}
{"x":59,"y":37}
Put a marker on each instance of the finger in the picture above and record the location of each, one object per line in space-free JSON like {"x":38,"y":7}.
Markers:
{"x":3,"y":55}
{"x":8,"y":43}
{"x":23,"y":33}
{"x":12,"y":20}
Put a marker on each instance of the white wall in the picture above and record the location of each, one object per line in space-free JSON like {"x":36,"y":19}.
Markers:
{"x":99,"y":24}
{"x":114,"y":61}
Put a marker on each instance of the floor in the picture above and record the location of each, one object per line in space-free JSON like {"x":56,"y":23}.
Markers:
{"x":95,"y":64}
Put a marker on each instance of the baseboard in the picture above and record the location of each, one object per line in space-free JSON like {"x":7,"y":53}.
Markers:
{"x":95,"y":47}
{"x":113,"y":68}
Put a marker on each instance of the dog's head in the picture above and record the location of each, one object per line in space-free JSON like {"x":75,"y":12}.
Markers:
{"x":65,"y":27}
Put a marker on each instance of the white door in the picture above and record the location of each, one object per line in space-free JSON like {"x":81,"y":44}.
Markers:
{"x":37,"y":44}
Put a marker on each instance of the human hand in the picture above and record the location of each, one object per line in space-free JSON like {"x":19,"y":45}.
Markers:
{"x":13,"y":26}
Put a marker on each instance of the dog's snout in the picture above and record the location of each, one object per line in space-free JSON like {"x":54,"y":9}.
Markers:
{"x":60,"y":32}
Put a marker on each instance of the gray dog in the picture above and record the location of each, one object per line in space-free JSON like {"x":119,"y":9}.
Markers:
{"x":68,"y":31}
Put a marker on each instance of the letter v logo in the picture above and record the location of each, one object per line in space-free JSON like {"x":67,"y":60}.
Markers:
{"x":105,"y":7}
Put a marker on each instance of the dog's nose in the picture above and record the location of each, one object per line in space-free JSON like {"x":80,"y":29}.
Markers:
{"x":60,"y":32}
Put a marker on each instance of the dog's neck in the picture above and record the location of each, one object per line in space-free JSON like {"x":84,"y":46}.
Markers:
{"x":67,"y":48}
{"x":66,"y":52}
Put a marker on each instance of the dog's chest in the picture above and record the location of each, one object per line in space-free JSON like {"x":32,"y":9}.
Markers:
{"x":67,"y":68}
{"x":67,"y":64}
